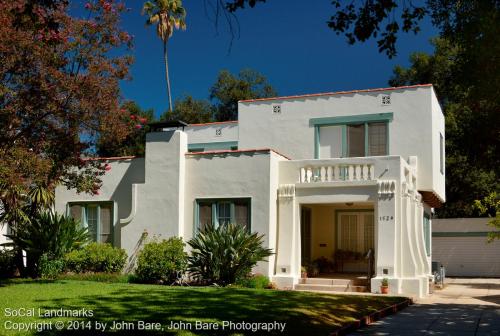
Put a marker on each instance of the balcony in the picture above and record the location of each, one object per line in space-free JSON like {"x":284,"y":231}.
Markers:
{"x":342,"y":171}
{"x":337,"y":172}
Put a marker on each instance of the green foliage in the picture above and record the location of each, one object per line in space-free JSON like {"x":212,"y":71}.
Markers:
{"x":225,"y":254}
{"x":59,"y":89}
{"x":384,"y":282}
{"x":490,"y":206}
{"x":228,"y":89}
{"x":96,"y":257}
{"x":98,"y":277}
{"x":190,"y":110}
{"x":160,"y":262}
{"x":471,"y":117}
{"x":257,"y":281}
{"x":134,"y":144}
{"x":7,"y":263}
{"x":50,"y":268}
{"x":49,"y":233}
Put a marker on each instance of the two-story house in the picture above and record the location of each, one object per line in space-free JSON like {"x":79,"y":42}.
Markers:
{"x":330,"y":175}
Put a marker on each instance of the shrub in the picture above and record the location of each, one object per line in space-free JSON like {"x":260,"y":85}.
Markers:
{"x":225,"y":254}
{"x":159,"y":262}
{"x":7,"y":263}
{"x":98,"y":277}
{"x":50,"y":267}
{"x":96,"y":257}
{"x":257,"y":281}
{"x":49,"y":233}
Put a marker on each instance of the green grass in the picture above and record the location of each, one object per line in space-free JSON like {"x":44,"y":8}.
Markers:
{"x":304,"y":313}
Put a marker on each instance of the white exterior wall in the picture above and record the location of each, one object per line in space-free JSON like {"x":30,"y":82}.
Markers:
{"x":220,"y":176}
{"x":218,"y":132}
{"x":116,"y":187}
{"x":289,"y":132}
{"x":437,"y":126}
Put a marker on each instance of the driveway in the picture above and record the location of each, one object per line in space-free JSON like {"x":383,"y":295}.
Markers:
{"x":463,"y":307}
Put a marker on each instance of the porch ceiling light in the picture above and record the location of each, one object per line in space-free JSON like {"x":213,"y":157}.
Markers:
{"x":349,"y":203}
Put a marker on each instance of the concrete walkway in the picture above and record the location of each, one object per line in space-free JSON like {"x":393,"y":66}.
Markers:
{"x":464,"y":307}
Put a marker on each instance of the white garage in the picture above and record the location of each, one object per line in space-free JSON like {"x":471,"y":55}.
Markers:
{"x":460,"y":244}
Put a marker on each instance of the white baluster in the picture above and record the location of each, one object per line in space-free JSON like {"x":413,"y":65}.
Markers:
{"x":351,"y":172}
{"x":365,"y":172}
{"x":302,"y":175}
{"x":329,"y":172}
{"x":372,"y":172}
{"x":309,"y":175}
{"x":336,"y":173}
{"x":358,"y":173}
{"x":322,"y":173}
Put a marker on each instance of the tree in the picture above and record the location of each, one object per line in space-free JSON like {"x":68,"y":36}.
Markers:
{"x":59,"y":90}
{"x":471,"y":116}
{"x":134,"y":143}
{"x":167,"y":15}
{"x":229,"y":89}
{"x":191,"y":111}
{"x":490,"y":206}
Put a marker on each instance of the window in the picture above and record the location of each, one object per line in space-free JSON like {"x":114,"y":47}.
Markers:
{"x":441,"y":153}
{"x":377,"y":139}
{"x":355,"y":140}
{"x":330,"y":142}
{"x":356,"y":231}
{"x":222,"y":211}
{"x":97,"y":217}
{"x":352,"y":140}
{"x":427,"y":233}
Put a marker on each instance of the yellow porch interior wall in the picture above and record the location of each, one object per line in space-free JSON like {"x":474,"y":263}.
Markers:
{"x":323,"y":227}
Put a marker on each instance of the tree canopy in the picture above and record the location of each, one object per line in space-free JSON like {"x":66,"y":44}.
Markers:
{"x":59,"y":90}
{"x":472,"y":123}
{"x":228,"y":89}
{"x":135,"y":141}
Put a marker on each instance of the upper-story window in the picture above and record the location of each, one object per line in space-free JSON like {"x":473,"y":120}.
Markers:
{"x":367,"y":139}
{"x":355,"y":136}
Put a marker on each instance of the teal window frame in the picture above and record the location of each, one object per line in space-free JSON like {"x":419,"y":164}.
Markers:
{"x":209,"y":146}
{"x":363,"y":119}
{"x":427,"y":233}
{"x":215,"y":203}
{"x":83,"y":219}
{"x":441,"y":153}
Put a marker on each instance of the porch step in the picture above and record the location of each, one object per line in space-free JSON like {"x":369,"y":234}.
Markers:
{"x":322,"y":281}
{"x":322,"y":288}
{"x":332,"y":285}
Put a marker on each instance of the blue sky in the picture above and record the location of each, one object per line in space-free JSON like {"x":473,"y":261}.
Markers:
{"x":286,"y":40}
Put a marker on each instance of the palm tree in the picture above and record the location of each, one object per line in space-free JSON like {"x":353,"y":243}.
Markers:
{"x":167,"y":15}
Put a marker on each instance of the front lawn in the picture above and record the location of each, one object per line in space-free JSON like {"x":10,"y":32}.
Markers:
{"x":304,"y":313}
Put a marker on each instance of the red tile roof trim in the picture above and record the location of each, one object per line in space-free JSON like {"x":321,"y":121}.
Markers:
{"x":228,"y":151}
{"x":110,"y":158}
{"x":214,"y":123}
{"x":311,"y":95}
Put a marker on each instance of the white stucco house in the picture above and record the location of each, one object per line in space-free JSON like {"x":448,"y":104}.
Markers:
{"x":316,"y":174}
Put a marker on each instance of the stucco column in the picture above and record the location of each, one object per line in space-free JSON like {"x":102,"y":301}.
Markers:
{"x":386,"y":238}
{"x":160,"y":200}
{"x":287,"y":254}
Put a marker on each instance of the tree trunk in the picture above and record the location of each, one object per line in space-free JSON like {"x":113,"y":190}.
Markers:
{"x":165,"y":57}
